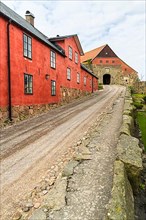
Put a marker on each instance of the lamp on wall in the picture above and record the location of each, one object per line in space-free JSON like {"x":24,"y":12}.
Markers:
{"x":47,"y":76}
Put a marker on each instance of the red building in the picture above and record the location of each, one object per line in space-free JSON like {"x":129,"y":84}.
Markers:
{"x":37,"y":71}
{"x":109,"y":68}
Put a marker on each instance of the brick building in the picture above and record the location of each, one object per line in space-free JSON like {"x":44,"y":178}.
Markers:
{"x":109,"y":68}
{"x":35,"y":71}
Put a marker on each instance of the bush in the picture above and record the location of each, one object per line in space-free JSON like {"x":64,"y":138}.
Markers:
{"x":144,"y":98}
{"x":100,"y":86}
{"x":138,"y":105}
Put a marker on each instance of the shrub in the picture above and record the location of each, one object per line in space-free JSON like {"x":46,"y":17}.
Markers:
{"x":144,"y":98}
{"x":138,"y":105}
{"x":100,"y":86}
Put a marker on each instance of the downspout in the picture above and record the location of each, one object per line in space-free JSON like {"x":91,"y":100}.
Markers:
{"x":92,"y":84}
{"x":9,"y":72}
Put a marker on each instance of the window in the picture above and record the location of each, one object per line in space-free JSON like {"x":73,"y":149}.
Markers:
{"x":68,"y":74}
{"x":76,"y":57}
{"x":100,"y":61}
{"x":106,"y":61}
{"x":53,"y":59}
{"x":84,"y":80}
{"x":78,"y":78}
{"x":70,"y":53}
{"x":113,"y":61}
{"x":28,"y":81}
{"x":27,"y":46}
{"x":53,"y":87}
{"x":125,"y":69}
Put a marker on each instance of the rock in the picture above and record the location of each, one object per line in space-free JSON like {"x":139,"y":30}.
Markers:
{"x":29,"y":205}
{"x":69,"y":168}
{"x":38,"y":215}
{"x":45,"y":192}
{"x":84,"y":150}
{"x":80,"y":157}
{"x":16,"y":216}
{"x":25,"y":209}
{"x":125,"y":129}
{"x":37,"y":205}
{"x":56,"y":196}
{"x":121,"y":204}
{"x":128,"y":120}
{"x":130,"y":154}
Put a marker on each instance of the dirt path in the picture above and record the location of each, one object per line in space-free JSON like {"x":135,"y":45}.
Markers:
{"x":30,"y":148}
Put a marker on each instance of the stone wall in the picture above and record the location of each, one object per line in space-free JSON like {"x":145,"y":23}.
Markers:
{"x":68,"y":94}
{"x":140,"y":87}
{"x":116,"y":73}
{"x":20,"y":113}
{"x":127,"y":169}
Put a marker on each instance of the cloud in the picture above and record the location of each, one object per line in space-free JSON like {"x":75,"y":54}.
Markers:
{"x":121,"y":24}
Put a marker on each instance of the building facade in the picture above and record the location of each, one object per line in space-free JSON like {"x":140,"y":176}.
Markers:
{"x":37,"y":72}
{"x":108,"y":67}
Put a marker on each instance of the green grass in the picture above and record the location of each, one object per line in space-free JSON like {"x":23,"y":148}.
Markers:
{"x":138,"y":95}
{"x":141,"y":116}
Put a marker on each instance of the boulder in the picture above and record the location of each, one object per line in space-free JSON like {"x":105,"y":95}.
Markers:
{"x":125,"y":129}
{"x":130,"y":153}
{"x":38,"y":214}
{"x":69,"y":168}
{"x":56,"y":196}
{"x":121,"y":204}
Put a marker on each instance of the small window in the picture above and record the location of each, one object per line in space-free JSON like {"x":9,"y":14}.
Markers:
{"x":100,"y":61}
{"x":113,"y":61}
{"x":68,"y":74}
{"x":84,"y":80}
{"x":53,"y":59}
{"x":107,"y":61}
{"x":53,"y":87}
{"x":27,"y":46}
{"x":70,"y":53}
{"x":125,"y":69}
{"x":78,"y":78}
{"x":28,"y":84}
{"x":76,"y":57}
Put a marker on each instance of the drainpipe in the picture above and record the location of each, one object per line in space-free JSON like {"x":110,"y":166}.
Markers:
{"x":92,"y":84}
{"x":9,"y":72}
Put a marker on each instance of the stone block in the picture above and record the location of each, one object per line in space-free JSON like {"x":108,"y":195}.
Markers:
{"x":130,"y":154}
{"x":121,"y":204}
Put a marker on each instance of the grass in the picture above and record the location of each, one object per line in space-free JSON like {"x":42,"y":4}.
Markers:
{"x":141,"y":96}
{"x":141,"y":116}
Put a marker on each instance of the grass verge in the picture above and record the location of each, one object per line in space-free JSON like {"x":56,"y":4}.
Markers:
{"x":141,"y":117}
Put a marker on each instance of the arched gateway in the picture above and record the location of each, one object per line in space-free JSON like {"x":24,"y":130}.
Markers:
{"x":106,"y":79}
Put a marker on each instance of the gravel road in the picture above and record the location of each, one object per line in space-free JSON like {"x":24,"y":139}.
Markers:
{"x":30,"y":148}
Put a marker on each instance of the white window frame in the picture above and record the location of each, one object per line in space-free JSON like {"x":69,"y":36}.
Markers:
{"x":70,"y":52}
{"x":85,"y":80}
{"x":78,"y":78}
{"x":53,"y":59}
{"x":76,"y":57}
{"x":68,"y":73}
{"x":53,"y":88}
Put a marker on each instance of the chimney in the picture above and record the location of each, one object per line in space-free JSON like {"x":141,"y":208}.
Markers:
{"x":29,"y":17}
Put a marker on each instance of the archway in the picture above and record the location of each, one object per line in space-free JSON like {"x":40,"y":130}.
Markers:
{"x":106,"y":79}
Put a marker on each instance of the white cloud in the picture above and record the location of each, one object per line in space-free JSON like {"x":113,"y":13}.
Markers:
{"x":121,"y":24}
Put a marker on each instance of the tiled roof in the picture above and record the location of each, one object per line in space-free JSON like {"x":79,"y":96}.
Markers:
{"x":90,"y":55}
{"x":7,"y":12}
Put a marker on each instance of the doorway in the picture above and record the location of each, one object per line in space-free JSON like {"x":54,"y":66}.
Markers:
{"x":106,"y":79}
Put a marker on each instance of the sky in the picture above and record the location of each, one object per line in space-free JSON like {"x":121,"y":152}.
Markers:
{"x":119,"y":23}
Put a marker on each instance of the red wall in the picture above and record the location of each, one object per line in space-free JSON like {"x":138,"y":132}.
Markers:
{"x":39,"y":66}
{"x":117,"y":61}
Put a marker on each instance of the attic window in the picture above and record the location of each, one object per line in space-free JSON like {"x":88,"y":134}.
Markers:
{"x":106,"y":53}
